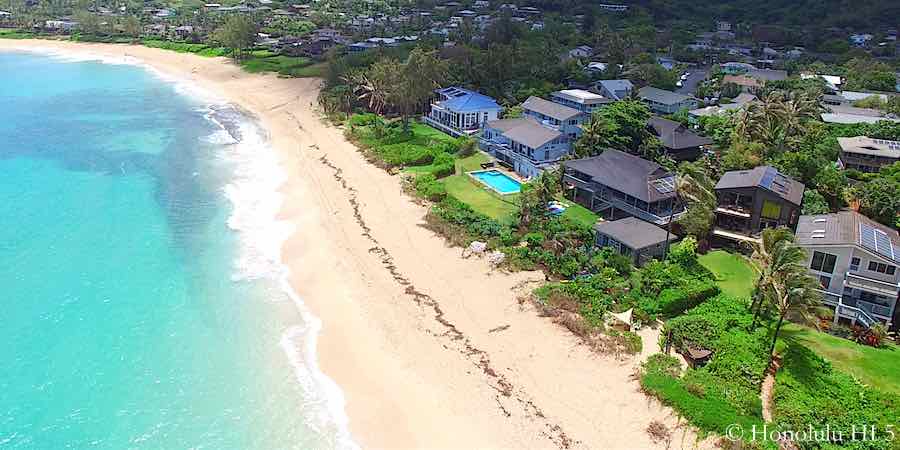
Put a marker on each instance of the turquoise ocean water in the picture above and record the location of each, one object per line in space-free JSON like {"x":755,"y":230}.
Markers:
{"x":143,"y":301}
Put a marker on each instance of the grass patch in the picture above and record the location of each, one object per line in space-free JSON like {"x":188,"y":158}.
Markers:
{"x":186,"y":47}
{"x":480,"y":200}
{"x":12,"y":33}
{"x":470,"y":163}
{"x":877,"y":367}
{"x":733,"y":274}
{"x":265,"y":61}
{"x":578,"y":213}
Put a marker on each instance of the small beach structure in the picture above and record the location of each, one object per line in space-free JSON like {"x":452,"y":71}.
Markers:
{"x":633,"y":238}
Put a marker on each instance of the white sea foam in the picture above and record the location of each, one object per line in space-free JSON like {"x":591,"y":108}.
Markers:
{"x":256,"y":200}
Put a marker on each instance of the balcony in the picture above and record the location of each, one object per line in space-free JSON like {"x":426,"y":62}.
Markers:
{"x":734,"y":210}
{"x":735,"y":235}
{"x":872,"y":309}
{"x":882,"y":288}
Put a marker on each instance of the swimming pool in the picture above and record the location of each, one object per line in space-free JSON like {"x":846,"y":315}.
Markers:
{"x":498,"y":181}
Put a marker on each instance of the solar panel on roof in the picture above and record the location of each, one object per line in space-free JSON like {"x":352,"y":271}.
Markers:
{"x":883,"y":244}
{"x":664,"y":185}
{"x":877,"y":241}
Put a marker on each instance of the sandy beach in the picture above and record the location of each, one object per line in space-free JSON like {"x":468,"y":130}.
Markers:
{"x":431,"y":350}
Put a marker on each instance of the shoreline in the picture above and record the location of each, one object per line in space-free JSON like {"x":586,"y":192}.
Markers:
{"x":408,"y":327}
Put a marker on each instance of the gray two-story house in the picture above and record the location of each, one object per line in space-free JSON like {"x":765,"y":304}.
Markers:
{"x":855,"y":259}
{"x":664,"y":102}
{"x":524,"y":144}
{"x":866,"y":154}
{"x":584,"y":101}
{"x":749,"y":201}
{"x":555,"y":115}
{"x":616,"y":184}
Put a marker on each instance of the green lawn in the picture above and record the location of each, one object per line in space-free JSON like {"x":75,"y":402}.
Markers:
{"x":733,"y":274}
{"x":877,"y":367}
{"x":471,"y":163}
{"x":578,"y":213}
{"x":464,"y":190}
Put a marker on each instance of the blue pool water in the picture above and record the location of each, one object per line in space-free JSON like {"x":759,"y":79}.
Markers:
{"x":144,"y":301}
{"x":501,"y":182}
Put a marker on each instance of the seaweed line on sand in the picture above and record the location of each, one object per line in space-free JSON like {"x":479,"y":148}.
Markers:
{"x":497,"y":381}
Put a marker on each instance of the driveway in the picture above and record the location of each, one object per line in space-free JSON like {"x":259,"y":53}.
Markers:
{"x":690,"y":84}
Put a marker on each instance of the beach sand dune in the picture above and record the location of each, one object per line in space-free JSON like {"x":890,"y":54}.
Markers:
{"x":431,"y":350}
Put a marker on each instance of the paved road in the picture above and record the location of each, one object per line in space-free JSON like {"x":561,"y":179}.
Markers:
{"x":690,"y":84}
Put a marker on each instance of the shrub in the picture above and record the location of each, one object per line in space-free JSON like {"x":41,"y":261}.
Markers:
{"x":467,"y":147}
{"x":662,"y":364}
{"x":429,"y":188}
{"x":443,"y":165}
{"x":673,"y":301}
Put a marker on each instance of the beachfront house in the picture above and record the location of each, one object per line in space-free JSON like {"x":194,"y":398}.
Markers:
{"x":680,"y":142}
{"x":560,"y":117}
{"x":855,"y":259}
{"x":616,"y":184}
{"x":631,"y":237}
{"x":614,"y":89}
{"x":524,"y":144}
{"x":584,"y":101}
{"x":866,"y":154}
{"x":666,"y":102}
{"x":749,"y":201}
{"x":459,"y":112}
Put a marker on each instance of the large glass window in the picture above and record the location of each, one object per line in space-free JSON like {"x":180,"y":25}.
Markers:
{"x":854,"y":263}
{"x":882,"y":268}
{"x":823,"y":262}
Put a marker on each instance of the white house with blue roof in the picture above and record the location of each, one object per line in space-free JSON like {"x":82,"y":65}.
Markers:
{"x":460,"y":112}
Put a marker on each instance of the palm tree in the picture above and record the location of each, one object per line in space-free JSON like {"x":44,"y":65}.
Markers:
{"x":792,"y":291}
{"x":692,"y":186}
{"x":536,"y":194}
{"x":772,"y":256}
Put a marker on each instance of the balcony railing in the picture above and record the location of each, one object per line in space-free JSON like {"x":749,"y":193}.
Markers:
{"x":870,"y":285}
{"x":734,"y":210}
{"x":860,"y":315}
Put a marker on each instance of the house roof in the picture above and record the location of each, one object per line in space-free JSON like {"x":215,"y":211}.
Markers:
{"x":742,"y":80}
{"x":661,"y":96}
{"x":868,"y":146}
{"x":463,"y":100}
{"x":849,"y":228}
{"x":766,"y":177}
{"x":548,"y":108}
{"x":581,"y":96}
{"x":853,"y":118}
{"x":634,"y":232}
{"x":768,"y":74}
{"x":525,"y":130}
{"x":616,"y":85}
{"x":853,"y":110}
{"x":625,"y":173}
{"x":674,"y":135}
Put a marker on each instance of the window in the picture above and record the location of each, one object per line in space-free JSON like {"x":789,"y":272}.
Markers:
{"x":882,"y":268}
{"x":771,"y":210}
{"x":823,"y":262}
{"x":854,"y":263}
{"x":825,"y":281}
